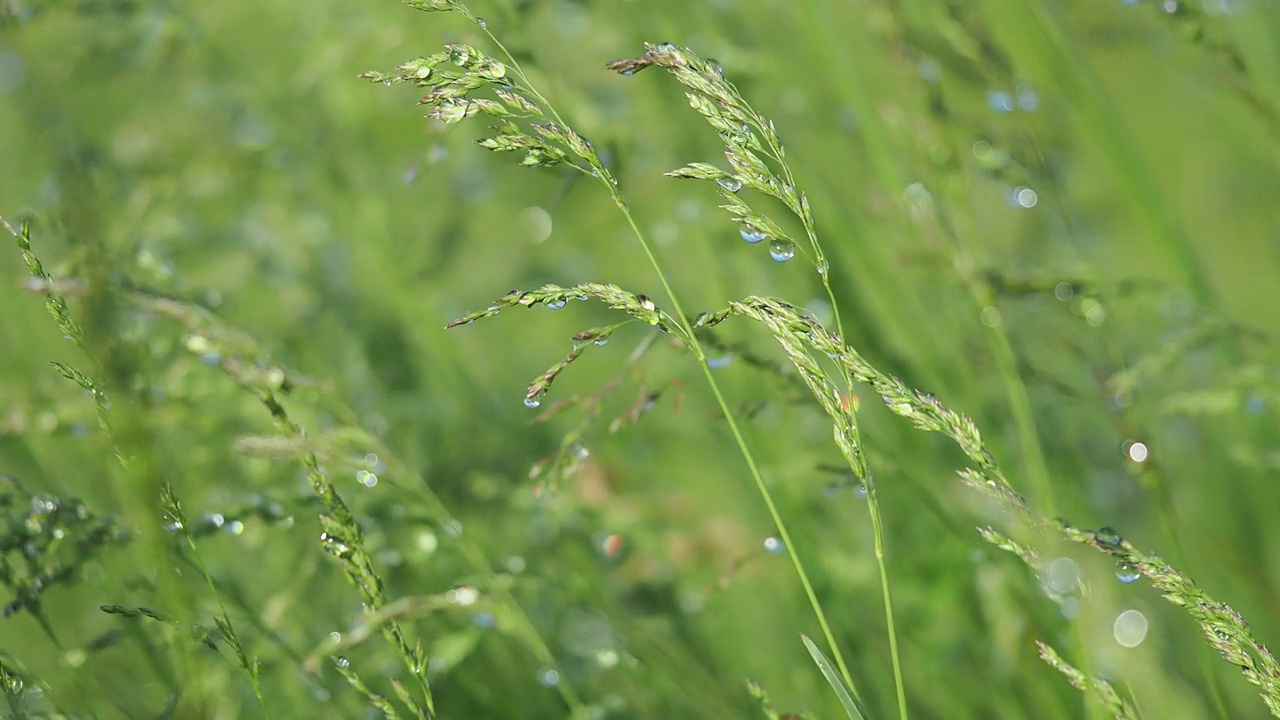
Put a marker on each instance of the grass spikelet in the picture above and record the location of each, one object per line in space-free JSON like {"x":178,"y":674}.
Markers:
{"x":178,"y":522}
{"x":1225,"y":629}
{"x":1098,"y":689}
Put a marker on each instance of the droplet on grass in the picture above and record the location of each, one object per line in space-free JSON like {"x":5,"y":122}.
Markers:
{"x":731,"y":184}
{"x":1127,"y":572}
{"x":773,"y":545}
{"x":556,"y":304}
{"x":1000,"y":101}
{"x":782,"y":250}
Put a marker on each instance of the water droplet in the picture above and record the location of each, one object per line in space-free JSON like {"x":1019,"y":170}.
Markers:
{"x":174,"y":526}
{"x":1063,"y":291}
{"x":1130,"y":628}
{"x":483,"y":25}
{"x":610,"y":545}
{"x":1137,"y":452}
{"x":235,"y":527}
{"x":716,"y":363}
{"x":1023,"y":197}
{"x":752,"y":236}
{"x":459,"y":56}
{"x":990,"y":316}
{"x":548,"y":677}
{"x":1107,"y":536}
{"x":1000,"y":101}
{"x":773,"y":545}
{"x":342,"y":662}
{"x":1127,"y":572}
{"x":782,"y":250}
{"x":666,"y":47}
{"x":579,"y":451}
{"x":602,"y":341}
{"x":463,"y":595}
{"x":532,"y":402}
{"x":860,"y":490}
{"x":714,"y":67}
{"x":556,"y":304}
{"x":1028,"y":100}
{"x":387,"y":83}
{"x":731,"y":184}
{"x":1061,"y":576}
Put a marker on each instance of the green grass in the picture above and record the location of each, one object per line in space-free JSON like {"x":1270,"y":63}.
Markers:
{"x":260,"y":478}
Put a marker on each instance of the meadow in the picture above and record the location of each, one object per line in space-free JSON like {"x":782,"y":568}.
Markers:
{"x":885,"y":359}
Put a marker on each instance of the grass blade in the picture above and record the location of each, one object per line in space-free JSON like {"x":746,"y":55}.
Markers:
{"x":852,"y":707}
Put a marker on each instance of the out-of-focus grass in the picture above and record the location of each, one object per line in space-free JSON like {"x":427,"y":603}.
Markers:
{"x":225,"y":152}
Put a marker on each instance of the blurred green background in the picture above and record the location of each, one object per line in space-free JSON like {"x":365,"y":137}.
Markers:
{"x":226,"y":153}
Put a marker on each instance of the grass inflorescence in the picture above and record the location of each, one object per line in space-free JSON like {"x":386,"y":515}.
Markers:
{"x":337,"y":521}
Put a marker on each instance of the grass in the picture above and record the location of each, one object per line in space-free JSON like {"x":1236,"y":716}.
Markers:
{"x":260,"y":479}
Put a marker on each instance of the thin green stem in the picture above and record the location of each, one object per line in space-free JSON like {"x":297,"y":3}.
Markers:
{"x":873,"y":503}
{"x":610,"y":183}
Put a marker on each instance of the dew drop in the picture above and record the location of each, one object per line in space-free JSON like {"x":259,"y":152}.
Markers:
{"x":752,"y":236}
{"x":610,"y":545}
{"x":548,"y":677}
{"x":601,"y":341}
{"x":1028,"y":100}
{"x":532,"y":402}
{"x":731,"y":184}
{"x":1107,"y":536}
{"x":1000,"y":101}
{"x":773,"y":545}
{"x":483,"y":25}
{"x":1126,"y":571}
{"x":782,"y":250}
{"x":715,"y":363}
{"x":459,"y":56}
{"x":556,"y":304}
{"x":384,"y":82}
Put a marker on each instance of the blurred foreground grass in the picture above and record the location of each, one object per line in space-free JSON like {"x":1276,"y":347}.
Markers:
{"x":1095,"y":182}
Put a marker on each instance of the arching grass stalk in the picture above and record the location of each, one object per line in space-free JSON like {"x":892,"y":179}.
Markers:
{"x":59,"y":310}
{"x":800,"y":336}
{"x":553,"y":143}
{"x":252,"y":368}
{"x":748,"y":135}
